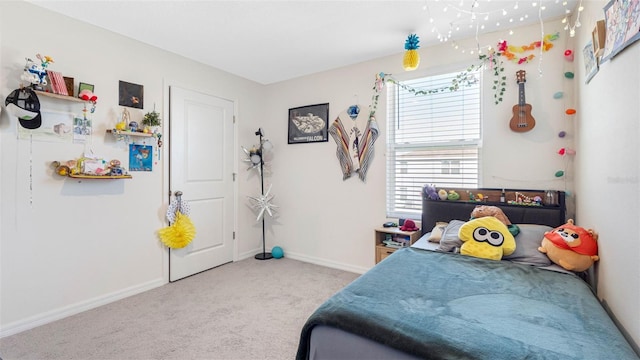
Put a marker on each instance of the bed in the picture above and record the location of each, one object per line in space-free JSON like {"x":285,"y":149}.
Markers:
{"x":425,"y":303}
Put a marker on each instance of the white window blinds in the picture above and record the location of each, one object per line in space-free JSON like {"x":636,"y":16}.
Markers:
{"x":432,"y":139}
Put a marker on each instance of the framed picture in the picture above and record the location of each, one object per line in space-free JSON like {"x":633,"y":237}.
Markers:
{"x":68,"y":82}
{"x":131,"y":95}
{"x":590,"y":62}
{"x":140,"y":157}
{"x":622,"y":21}
{"x":598,"y":37}
{"x":309,"y":124}
{"x":84,"y":86}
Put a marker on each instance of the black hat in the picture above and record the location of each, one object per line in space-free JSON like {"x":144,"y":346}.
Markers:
{"x":24,"y":104}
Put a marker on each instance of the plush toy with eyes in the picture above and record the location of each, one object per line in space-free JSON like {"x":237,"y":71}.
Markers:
{"x":572,"y":247}
{"x":486,"y":237}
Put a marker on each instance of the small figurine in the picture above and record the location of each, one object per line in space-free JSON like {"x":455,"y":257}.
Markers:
{"x":34,"y":74}
{"x":114,"y":166}
{"x":133,"y":126}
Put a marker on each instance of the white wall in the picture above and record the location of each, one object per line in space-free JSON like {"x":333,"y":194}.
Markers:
{"x":71,"y":245}
{"x":608,"y":176}
{"x":333,"y":220}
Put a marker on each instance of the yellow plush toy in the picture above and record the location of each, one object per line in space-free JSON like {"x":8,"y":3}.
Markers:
{"x":570,"y":246}
{"x":487,"y":238}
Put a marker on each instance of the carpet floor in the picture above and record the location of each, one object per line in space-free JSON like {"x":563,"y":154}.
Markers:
{"x":249,"y":309}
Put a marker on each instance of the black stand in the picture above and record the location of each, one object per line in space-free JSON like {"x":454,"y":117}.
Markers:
{"x":264,"y":255}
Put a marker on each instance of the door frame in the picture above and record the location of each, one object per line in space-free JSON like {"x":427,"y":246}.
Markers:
{"x":165,"y":153}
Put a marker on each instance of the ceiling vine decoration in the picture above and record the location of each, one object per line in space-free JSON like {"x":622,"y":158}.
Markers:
{"x":493,"y":61}
{"x":463,"y":79}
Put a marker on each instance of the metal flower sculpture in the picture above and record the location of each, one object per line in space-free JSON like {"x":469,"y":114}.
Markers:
{"x":249,"y":161}
{"x":263,"y":204}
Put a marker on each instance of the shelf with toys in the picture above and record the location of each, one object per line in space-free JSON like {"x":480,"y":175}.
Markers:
{"x":103,"y":177}
{"x":59,"y":96}
{"x":126,"y":128}
{"x":116,"y":132}
{"x":90,"y":168}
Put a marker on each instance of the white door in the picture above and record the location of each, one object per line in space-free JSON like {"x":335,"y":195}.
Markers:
{"x":201,"y":167}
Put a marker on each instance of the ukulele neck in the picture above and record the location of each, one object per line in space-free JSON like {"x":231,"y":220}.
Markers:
{"x":521,"y":100}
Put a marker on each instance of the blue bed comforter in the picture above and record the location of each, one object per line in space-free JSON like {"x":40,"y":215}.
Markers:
{"x":447,"y":306}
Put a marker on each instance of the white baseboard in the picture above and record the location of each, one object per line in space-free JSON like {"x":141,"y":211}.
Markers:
{"x":312,"y":260}
{"x":51,"y":316}
{"x":327,"y":263}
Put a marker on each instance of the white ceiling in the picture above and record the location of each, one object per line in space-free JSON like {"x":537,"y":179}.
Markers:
{"x":271,"y":41}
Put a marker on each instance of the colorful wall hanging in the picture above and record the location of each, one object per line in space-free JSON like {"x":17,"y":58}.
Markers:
{"x":622,"y":19}
{"x":355,"y":135}
{"x":515,"y":53}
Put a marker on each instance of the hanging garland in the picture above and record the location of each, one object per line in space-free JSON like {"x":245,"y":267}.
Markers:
{"x":463,"y":79}
{"x":510,"y":51}
{"x":499,"y":79}
{"x":492,"y":60}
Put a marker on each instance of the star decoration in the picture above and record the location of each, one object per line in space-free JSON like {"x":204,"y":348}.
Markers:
{"x":248,"y":160}
{"x":263,"y":204}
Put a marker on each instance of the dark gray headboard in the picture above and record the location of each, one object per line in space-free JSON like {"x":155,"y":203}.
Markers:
{"x":447,"y":210}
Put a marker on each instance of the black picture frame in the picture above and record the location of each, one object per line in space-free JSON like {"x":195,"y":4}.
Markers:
{"x":130,"y":95}
{"x":619,"y":32}
{"x":309,"y":124}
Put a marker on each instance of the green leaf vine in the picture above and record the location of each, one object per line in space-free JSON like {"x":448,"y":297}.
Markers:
{"x":465,"y":78}
{"x":499,"y":79}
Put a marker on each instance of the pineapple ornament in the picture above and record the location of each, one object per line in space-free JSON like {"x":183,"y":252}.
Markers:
{"x":411,"y":58}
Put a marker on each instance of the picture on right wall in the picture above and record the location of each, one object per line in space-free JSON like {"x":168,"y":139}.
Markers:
{"x":622,"y":19}
{"x":590,"y":62}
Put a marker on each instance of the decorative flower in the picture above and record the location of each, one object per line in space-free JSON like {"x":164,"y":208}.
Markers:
{"x":44,"y":60}
{"x":379,"y":85}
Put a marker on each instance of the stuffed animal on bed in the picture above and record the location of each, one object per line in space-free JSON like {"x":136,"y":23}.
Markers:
{"x":485,"y":210}
{"x":572,"y":247}
{"x":486,"y":237}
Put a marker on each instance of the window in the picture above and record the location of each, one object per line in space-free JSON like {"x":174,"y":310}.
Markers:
{"x":432,"y":139}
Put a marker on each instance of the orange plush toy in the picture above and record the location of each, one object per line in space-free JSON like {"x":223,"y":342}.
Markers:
{"x":570,"y":246}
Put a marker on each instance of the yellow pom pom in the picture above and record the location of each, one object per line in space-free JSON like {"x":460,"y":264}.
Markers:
{"x":179,"y":234}
{"x":411,"y":60}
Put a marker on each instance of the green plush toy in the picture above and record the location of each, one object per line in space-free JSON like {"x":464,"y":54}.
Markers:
{"x":487,"y":238}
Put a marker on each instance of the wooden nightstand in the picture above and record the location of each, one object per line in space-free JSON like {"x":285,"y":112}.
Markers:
{"x":383,"y":251}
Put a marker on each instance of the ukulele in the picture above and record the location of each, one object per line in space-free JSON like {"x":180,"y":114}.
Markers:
{"x":522,"y":120}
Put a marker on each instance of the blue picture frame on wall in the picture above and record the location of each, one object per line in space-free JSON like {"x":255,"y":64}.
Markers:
{"x":140,"y":157}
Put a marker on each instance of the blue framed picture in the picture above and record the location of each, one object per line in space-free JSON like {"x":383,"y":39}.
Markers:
{"x":140,"y":157}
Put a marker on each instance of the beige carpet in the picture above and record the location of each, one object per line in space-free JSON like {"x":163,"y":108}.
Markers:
{"x":249,"y":309}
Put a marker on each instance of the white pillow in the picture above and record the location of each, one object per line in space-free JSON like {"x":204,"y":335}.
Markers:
{"x":436,"y":233}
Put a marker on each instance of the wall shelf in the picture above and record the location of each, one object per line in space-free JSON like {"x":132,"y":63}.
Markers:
{"x":58,"y":96}
{"x":102,"y":177}
{"x":128,"y":133}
